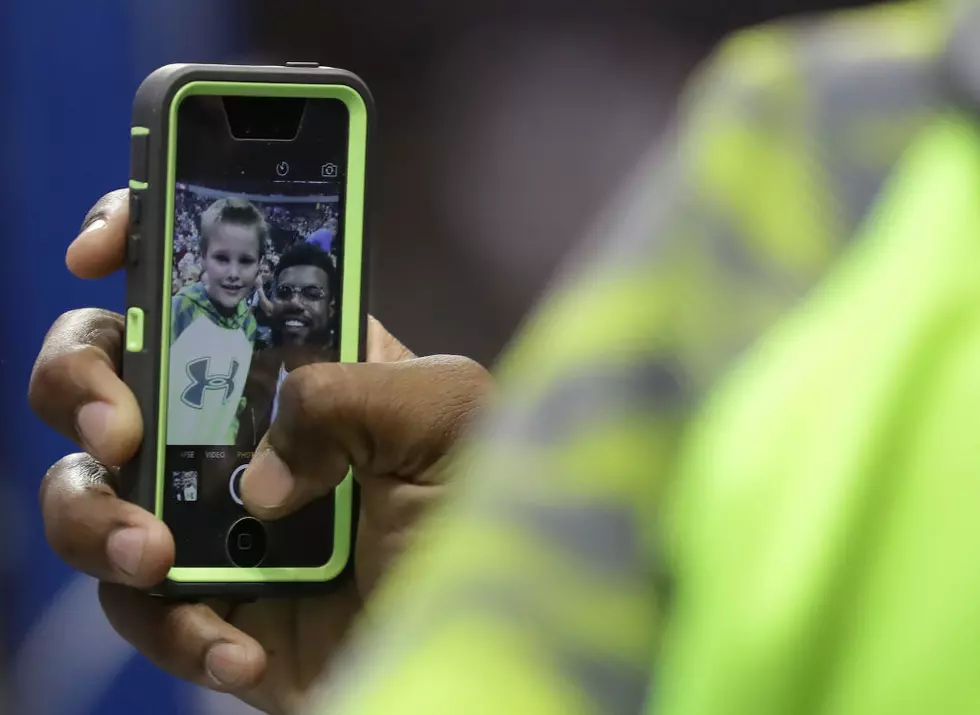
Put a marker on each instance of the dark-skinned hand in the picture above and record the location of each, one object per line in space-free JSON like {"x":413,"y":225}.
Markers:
{"x":393,"y":419}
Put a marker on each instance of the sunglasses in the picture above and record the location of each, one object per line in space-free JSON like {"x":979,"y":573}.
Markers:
{"x":308,"y":293}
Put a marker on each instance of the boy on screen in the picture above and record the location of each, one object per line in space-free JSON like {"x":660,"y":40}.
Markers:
{"x":213,"y":329}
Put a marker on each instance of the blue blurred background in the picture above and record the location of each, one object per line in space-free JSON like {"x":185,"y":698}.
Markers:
{"x":492,"y":162}
{"x":64,"y":130}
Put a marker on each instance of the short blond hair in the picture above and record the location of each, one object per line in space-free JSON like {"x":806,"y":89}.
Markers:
{"x":235,"y":211}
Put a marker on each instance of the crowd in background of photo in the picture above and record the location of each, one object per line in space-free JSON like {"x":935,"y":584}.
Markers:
{"x":300,"y":221}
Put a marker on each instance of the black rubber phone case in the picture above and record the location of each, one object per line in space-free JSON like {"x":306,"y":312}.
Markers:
{"x":145,"y":258}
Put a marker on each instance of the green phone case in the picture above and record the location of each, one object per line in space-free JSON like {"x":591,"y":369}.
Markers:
{"x":149,"y":262}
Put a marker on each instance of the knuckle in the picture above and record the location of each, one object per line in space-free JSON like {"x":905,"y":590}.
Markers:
{"x":72,"y":334}
{"x":56,"y":472}
{"x":81,"y":327}
{"x":98,"y":328}
{"x":68,"y":478}
{"x":56,"y":380}
{"x":469,"y":386}
{"x":313,"y":403}
{"x":310,"y":391}
{"x":463,"y":377}
{"x":469,"y":370}
{"x":57,"y":510}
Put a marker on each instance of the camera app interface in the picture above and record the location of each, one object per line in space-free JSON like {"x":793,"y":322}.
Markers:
{"x":255,"y":285}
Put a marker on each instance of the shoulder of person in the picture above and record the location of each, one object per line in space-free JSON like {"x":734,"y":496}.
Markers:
{"x":827,"y":52}
{"x":821,"y":107}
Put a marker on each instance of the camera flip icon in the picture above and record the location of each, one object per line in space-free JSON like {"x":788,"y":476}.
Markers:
{"x":328,"y":171}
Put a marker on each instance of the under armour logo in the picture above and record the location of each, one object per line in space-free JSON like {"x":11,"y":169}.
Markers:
{"x":199,"y":372}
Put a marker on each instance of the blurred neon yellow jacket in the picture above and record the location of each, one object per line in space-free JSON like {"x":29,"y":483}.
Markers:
{"x":737,"y":442}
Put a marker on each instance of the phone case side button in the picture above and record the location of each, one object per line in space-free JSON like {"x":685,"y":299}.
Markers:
{"x":134,"y":330}
{"x":139,"y":155}
{"x":133,"y":250}
{"x":135,"y":229}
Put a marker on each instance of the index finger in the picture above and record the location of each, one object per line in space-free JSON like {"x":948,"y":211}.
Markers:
{"x":76,"y":390}
{"x":396,"y":419}
{"x":100,"y":248}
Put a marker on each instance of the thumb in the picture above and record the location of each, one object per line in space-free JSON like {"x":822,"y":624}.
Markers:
{"x":394,"y":419}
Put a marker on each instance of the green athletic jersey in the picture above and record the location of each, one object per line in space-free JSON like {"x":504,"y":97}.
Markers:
{"x":210,"y":355}
{"x":611,"y":516}
{"x":823,"y":535}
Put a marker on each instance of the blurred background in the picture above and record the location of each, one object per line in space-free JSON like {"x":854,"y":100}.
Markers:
{"x":505,"y":126}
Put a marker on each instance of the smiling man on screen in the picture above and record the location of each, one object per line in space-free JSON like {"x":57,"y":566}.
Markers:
{"x":305,"y":279}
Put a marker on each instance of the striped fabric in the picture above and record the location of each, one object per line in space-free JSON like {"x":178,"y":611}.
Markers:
{"x":192,"y":303}
{"x":543,"y":588}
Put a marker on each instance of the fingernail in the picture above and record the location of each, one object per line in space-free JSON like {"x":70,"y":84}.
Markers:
{"x":125,"y":548}
{"x":93,"y":422}
{"x":227,"y":663}
{"x":94,"y":225}
{"x":267,"y":482}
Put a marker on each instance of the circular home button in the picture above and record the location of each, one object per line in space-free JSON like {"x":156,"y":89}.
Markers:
{"x":246,"y":542}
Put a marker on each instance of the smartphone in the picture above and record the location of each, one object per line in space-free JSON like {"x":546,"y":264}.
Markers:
{"x":245,"y":261}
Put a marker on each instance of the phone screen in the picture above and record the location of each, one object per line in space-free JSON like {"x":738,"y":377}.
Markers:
{"x":256,"y":282}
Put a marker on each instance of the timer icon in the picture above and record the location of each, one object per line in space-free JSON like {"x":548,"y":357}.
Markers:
{"x":282,"y":168}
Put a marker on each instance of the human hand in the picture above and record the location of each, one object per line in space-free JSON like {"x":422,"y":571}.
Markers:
{"x":394,"y":420}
